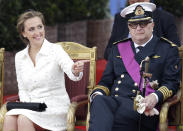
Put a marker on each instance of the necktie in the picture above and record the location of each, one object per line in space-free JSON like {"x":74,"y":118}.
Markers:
{"x":140,"y":48}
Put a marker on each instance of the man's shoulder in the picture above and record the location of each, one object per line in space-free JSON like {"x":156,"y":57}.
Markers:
{"x":163,"y":13}
{"x":117,"y":15}
{"x":166,"y":41}
{"x":121,"y":41}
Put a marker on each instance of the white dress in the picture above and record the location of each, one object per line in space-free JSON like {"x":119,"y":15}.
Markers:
{"x":45,"y":83}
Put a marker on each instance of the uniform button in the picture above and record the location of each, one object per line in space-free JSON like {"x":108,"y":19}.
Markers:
{"x":135,"y":84}
{"x":116,"y":89}
{"x":134,"y":91}
{"x":122,"y":75}
{"x":116,"y":95}
{"x":133,"y":97}
{"x":119,"y":82}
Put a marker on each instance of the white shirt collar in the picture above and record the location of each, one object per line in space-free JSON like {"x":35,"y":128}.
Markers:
{"x":136,"y":45}
{"x":44,"y":49}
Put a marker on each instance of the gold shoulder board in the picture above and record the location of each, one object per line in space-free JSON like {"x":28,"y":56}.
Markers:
{"x":125,"y":39}
{"x":170,"y":42}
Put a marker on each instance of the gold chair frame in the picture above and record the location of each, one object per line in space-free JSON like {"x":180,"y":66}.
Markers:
{"x":78,"y":51}
{"x":2,"y":50}
{"x":176,"y":101}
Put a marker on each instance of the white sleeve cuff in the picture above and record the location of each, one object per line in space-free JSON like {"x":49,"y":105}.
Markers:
{"x":94,"y":94}
{"x":156,"y":97}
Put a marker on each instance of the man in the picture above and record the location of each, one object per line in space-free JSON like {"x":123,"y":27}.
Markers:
{"x":164,"y":27}
{"x":112,"y":100}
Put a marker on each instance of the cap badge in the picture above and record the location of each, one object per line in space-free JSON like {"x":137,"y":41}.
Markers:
{"x":139,"y":10}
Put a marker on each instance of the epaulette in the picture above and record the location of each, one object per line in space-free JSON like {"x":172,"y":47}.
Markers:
{"x":166,"y":40}
{"x":125,"y":39}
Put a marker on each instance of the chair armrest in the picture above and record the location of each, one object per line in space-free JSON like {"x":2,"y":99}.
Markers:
{"x":77,"y":102}
{"x":163,"y":122}
{"x":79,"y":98}
{"x":3,"y":111}
{"x":11,"y":98}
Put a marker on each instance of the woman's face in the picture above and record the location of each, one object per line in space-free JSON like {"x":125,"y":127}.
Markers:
{"x":34,"y":31}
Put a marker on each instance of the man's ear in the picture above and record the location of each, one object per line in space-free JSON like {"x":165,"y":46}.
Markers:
{"x":153,"y":24}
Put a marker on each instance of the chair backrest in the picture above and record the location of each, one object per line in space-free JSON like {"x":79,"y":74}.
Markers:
{"x":80,"y":52}
{"x":177,"y":110}
{"x":2,"y":50}
{"x":181,"y":85}
{"x":175,"y":113}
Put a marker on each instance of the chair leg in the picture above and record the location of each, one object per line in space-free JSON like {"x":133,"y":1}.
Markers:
{"x":2,"y":114}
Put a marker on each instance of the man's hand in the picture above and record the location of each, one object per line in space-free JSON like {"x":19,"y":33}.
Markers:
{"x":78,"y":67}
{"x":143,"y":105}
{"x":150,"y":101}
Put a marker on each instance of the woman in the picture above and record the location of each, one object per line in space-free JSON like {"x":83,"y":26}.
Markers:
{"x":40,"y":71}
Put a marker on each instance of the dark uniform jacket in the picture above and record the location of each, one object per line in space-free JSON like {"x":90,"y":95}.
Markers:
{"x":164,"y":66}
{"x":164,"y":27}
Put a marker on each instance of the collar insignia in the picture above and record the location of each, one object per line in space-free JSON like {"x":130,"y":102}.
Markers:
{"x":156,"y":56}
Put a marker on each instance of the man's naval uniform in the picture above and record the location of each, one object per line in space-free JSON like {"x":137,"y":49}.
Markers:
{"x":114,"y":110}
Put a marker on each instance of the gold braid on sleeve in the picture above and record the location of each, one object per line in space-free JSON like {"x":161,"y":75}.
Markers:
{"x":166,"y":92}
{"x":105,"y":89}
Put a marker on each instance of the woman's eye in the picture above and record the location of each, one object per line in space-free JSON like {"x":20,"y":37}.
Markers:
{"x":40,"y":27}
{"x":31,"y":29}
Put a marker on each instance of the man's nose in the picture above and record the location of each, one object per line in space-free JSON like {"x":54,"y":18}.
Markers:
{"x":139,"y":27}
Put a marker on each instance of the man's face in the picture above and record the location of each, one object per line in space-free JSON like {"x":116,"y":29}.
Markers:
{"x":141,"y":32}
{"x":134,"y":1}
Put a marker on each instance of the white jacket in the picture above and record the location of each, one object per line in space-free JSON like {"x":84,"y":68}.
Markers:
{"x":45,"y":83}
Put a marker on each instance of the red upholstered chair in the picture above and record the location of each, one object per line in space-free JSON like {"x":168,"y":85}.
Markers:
{"x":100,"y":67}
{"x":78,"y":91}
{"x":171,"y":113}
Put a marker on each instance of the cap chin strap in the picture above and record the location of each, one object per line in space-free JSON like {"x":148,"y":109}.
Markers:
{"x":139,"y":19}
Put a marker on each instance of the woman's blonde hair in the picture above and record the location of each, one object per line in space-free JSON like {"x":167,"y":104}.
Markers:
{"x":25,"y":16}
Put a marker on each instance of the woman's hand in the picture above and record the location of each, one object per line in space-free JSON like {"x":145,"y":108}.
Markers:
{"x":78,"y":67}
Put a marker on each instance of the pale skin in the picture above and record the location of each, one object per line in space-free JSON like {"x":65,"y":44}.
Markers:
{"x":34,"y":31}
{"x":141,"y":36}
